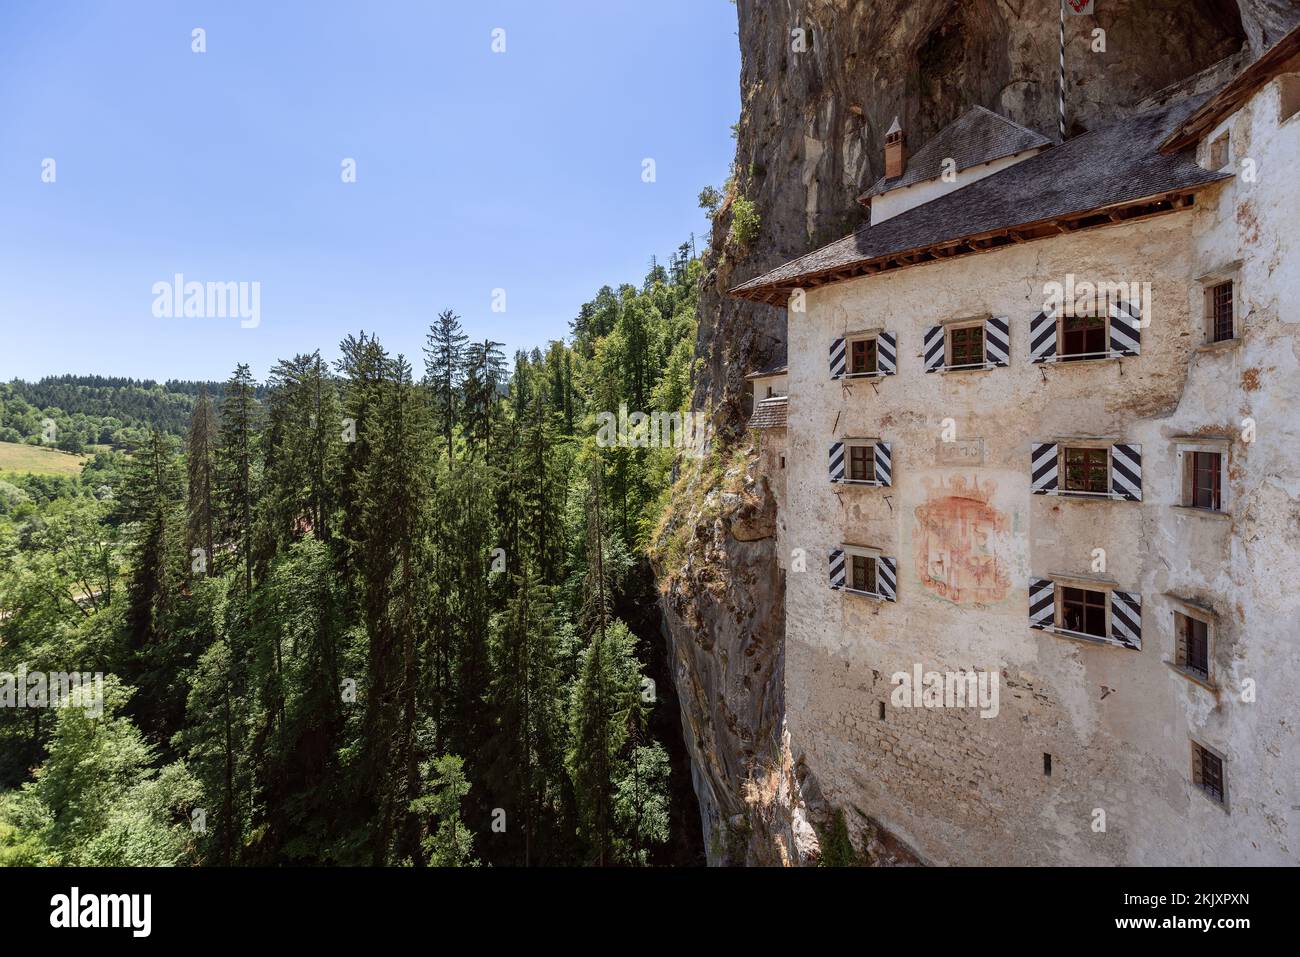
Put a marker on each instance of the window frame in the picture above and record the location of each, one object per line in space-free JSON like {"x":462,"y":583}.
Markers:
{"x":1062,"y":588}
{"x":1102,"y":586}
{"x":1200,"y":751}
{"x":871,"y":554}
{"x":1185,"y":611}
{"x":1187,"y":459}
{"x":1062,"y":356}
{"x":865,"y":335}
{"x":1221,"y":138}
{"x":852,"y":443}
{"x":1062,"y":466}
{"x":1227,"y":273}
{"x":949,"y":348}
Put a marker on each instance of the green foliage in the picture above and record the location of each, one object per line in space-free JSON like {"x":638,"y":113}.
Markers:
{"x":349,"y":595}
{"x":745,"y":224}
{"x":836,"y":845}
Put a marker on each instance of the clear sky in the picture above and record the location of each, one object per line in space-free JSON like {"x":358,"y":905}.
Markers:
{"x":475,"y":170}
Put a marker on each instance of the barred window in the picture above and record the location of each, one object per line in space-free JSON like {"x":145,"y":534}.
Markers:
{"x":1193,"y":652}
{"x":864,"y":574}
{"x":967,"y":345}
{"x":1207,"y":772}
{"x":1219,"y":302}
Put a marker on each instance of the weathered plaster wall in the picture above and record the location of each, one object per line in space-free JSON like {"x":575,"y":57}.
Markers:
{"x":966,"y":789}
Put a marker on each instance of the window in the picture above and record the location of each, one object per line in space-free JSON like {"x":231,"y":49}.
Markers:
{"x":769,"y":392}
{"x":1219,"y":311}
{"x":1087,"y":470}
{"x":860,"y":463}
{"x":1207,"y":773}
{"x":1083,"y":611}
{"x":966,"y":347}
{"x":1204,"y":480}
{"x":862,"y":357}
{"x":1083,"y":337}
{"x":783,"y":461}
{"x":1288,"y":96}
{"x":1047,"y":764}
{"x":864,"y":574}
{"x":1193,"y":645}
{"x":1219,"y":151}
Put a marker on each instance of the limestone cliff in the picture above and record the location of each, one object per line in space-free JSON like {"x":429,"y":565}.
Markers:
{"x":809,"y":141}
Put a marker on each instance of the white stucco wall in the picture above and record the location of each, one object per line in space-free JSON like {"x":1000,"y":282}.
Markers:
{"x":1118,"y":723}
{"x":895,"y":201}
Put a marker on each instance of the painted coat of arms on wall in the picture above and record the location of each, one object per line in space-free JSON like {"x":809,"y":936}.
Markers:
{"x":960,"y":542}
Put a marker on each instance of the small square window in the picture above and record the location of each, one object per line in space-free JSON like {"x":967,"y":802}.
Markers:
{"x":1087,"y":470}
{"x":1220,"y":312}
{"x":1083,"y":337}
{"x":862,"y":357}
{"x":1219,"y":151}
{"x":1288,"y":96}
{"x":1083,"y":611}
{"x":1203,"y":481}
{"x":966,"y":347}
{"x":1207,"y":773}
{"x":864,"y":574}
{"x":1193,"y":650}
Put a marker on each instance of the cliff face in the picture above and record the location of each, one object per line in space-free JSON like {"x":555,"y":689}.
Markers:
{"x":810,"y":139}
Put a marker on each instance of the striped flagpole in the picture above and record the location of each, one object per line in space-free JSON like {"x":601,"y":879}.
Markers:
{"x":1061,"y":84}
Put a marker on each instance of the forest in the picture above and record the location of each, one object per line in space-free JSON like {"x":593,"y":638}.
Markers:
{"x":381,"y":610}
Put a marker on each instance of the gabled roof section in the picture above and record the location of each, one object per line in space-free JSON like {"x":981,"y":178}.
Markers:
{"x":1279,"y":58}
{"x":778,"y":369}
{"x":977,"y":136}
{"x":1111,"y":174}
{"x":770,"y":413}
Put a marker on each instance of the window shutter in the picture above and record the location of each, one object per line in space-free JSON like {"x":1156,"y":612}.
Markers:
{"x":1126,"y":619}
{"x":1042,"y":468}
{"x":1126,"y":471}
{"x":887,"y":353}
{"x":837,"y":359}
{"x":996,"y":340}
{"x":1042,"y":337}
{"x":837,"y":568}
{"x":1126,"y":328}
{"x":933,"y":349}
{"x":1042,"y":603}
{"x":837,"y":462}
{"x":887,"y":578}
{"x":884,"y":463}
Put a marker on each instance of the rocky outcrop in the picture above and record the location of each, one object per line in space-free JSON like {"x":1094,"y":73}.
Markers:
{"x":815,"y":107}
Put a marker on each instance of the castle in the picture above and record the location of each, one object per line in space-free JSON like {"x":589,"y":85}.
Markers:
{"x":1040,"y":419}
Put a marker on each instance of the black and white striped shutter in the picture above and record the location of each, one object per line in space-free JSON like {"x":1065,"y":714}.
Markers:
{"x":837,"y":568}
{"x":1126,"y":328}
{"x":1126,"y":471}
{"x":1126,"y":619}
{"x":1042,"y":337}
{"x":997,"y":340}
{"x":836,"y":466}
{"x":1042,"y":468}
{"x":887,"y":578}
{"x":837,"y":359}
{"x":933,"y":349}
{"x":1042,"y":603}
{"x":884,"y":463}
{"x":887,"y":353}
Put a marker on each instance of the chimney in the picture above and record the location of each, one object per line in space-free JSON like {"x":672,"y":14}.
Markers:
{"x":895,"y":151}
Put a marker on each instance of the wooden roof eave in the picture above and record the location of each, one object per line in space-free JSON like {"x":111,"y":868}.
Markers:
{"x":1130,"y":211}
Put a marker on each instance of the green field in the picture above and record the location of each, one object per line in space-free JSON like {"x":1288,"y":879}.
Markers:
{"x":38,"y":461}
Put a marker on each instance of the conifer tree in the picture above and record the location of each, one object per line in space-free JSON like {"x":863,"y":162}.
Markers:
{"x":200,"y":459}
{"x":235,"y":490}
{"x":444,"y":366}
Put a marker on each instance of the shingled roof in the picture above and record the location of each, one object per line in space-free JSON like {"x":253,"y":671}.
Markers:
{"x":1112,"y":174}
{"x":977,"y":136}
{"x":770,"y":413}
{"x":779,"y":368}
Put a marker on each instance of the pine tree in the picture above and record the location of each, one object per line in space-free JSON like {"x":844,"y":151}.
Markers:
{"x":444,"y":366}
{"x":200,"y":458}
{"x":235,"y":490}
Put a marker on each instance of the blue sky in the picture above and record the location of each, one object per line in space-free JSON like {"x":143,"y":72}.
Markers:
{"x":476,"y":170}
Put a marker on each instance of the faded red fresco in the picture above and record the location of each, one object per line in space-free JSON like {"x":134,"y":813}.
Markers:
{"x":954,"y":542}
